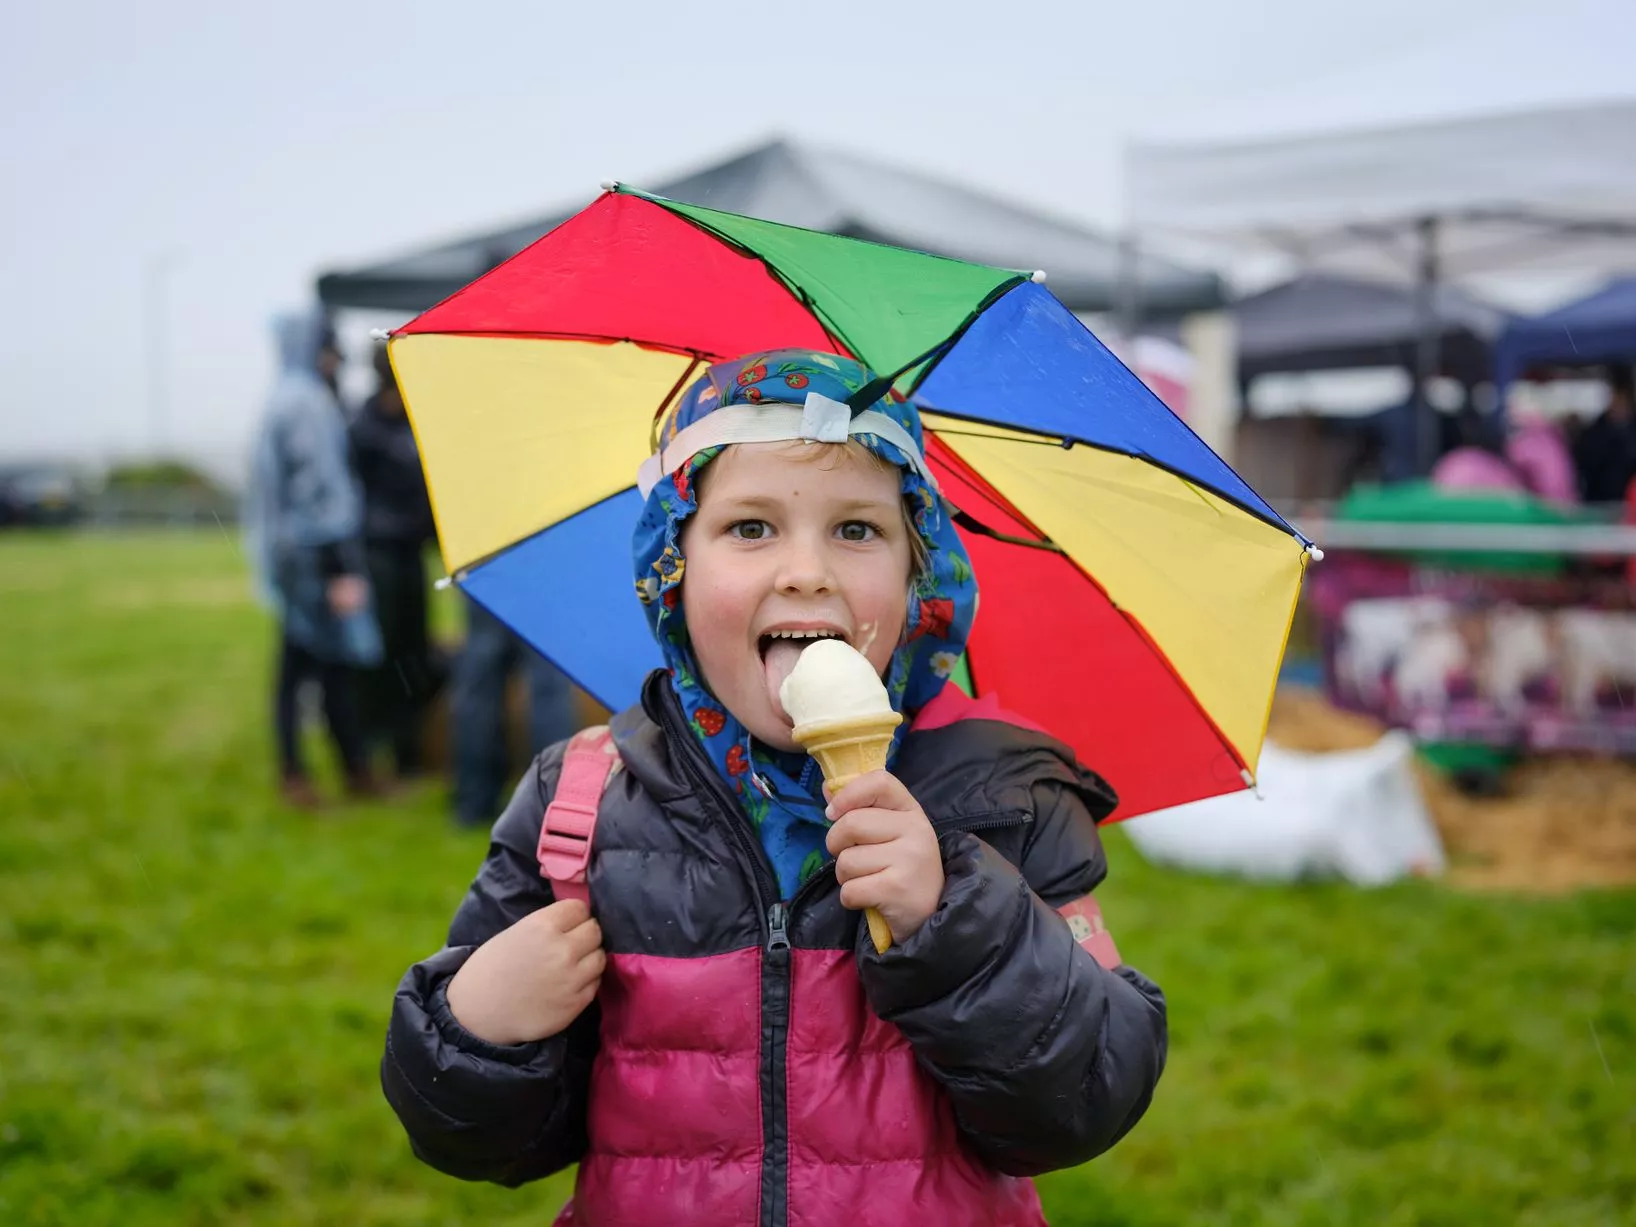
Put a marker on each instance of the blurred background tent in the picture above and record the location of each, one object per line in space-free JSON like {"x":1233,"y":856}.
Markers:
{"x":1429,"y":203}
{"x":819,"y":189}
{"x":1320,"y":322}
{"x":1322,"y":378}
{"x":1597,"y":329}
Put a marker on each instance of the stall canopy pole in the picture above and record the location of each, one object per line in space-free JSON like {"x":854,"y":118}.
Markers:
{"x":1427,"y":356}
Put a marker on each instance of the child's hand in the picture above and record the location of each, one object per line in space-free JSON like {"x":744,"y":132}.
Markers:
{"x":347,"y":594}
{"x":530,"y":981}
{"x":886,"y":853}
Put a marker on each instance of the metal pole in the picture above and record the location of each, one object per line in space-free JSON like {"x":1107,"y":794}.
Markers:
{"x":156,"y":271}
{"x":1594,"y":539}
{"x":1428,"y":347}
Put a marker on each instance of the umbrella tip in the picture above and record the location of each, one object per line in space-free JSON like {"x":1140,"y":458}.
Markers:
{"x":610,"y":185}
{"x":1249,"y":782}
{"x":1038,"y":276}
{"x":380,"y":334}
{"x":1314,"y":553}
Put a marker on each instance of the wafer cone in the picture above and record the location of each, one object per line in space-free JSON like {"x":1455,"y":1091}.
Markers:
{"x":845,"y":749}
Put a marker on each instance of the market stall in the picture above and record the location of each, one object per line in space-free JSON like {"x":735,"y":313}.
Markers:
{"x":1430,"y":204}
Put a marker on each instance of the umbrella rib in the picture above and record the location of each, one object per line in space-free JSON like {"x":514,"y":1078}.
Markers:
{"x":881,"y":385}
{"x":659,"y":413}
{"x":977,"y":482}
{"x":1034,"y":438}
{"x":1193,"y":489}
{"x":971,"y":524}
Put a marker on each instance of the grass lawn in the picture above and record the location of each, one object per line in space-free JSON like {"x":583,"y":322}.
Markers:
{"x":194,"y":983}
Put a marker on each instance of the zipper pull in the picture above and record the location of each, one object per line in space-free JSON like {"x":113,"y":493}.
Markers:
{"x":778,"y":925}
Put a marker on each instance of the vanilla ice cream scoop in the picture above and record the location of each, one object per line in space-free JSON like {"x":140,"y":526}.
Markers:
{"x":832,"y":681}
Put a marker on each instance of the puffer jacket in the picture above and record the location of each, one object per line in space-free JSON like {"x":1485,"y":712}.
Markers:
{"x":752,"y":1060}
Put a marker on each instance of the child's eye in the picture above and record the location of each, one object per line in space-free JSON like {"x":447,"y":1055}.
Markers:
{"x":858,"y":530}
{"x":749,"y":530}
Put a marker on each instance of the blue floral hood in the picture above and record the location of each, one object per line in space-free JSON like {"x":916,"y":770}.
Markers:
{"x":781,"y":793}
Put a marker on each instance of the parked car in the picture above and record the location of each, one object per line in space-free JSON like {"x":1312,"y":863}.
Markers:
{"x":40,"y":494}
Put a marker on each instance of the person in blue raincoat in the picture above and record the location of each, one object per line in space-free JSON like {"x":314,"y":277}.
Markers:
{"x":303,"y":519}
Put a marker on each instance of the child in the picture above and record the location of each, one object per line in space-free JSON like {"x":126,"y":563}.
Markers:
{"x":722,"y":1044}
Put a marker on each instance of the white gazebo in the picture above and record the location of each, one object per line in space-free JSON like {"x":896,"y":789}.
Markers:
{"x":1550,"y":190}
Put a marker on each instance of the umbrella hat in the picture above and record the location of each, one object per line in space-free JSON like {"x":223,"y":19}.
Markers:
{"x":1136,"y":593}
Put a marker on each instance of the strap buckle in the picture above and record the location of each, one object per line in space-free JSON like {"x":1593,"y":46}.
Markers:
{"x":565,"y":840}
{"x":569,"y":822}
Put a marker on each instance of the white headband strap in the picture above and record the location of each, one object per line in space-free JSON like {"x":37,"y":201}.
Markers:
{"x":819,"y":420}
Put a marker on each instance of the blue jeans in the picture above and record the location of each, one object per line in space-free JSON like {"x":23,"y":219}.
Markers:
{"x":482,"y":767}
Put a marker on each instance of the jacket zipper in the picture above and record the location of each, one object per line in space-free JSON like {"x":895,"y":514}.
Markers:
{"x":775,"y":974}
{"x":775,"y":1030}
{"x":778,"y":930}
{"x":1013,"y":819}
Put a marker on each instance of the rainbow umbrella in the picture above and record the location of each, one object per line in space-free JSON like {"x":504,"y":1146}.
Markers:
{"x":1136,"y":593}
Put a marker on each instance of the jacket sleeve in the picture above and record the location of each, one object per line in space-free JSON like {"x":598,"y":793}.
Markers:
{"x":480,"y":1111}
{"x":1048,"y":1057}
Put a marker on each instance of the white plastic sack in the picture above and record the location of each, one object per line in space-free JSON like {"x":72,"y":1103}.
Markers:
{"x":1356,"y":814}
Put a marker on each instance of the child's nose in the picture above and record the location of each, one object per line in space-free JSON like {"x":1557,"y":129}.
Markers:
{"x":806,"y":568}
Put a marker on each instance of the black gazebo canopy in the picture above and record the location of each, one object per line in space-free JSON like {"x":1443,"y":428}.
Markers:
{"x":784,"y":181}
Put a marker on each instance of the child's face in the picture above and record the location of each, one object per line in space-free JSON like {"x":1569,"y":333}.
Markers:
{"x":786,"y":539}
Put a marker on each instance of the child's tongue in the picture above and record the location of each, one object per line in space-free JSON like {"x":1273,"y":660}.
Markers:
{"x":779,"y":663}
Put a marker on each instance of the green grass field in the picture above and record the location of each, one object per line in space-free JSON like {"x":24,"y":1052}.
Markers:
{"x":194,"y":983}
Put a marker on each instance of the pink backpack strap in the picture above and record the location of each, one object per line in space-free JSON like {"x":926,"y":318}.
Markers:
{"x":951,"y":705}
{"x":570,"y":820}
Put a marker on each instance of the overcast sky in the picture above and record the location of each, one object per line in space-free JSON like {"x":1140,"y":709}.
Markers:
{"x":224,"y":154}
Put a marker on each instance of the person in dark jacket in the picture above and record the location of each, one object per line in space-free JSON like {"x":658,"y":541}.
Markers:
{"x":397,"y":526}
{"x":1605,"y":452}
{"x":302,"y":517}
{"x":722,"y":1043}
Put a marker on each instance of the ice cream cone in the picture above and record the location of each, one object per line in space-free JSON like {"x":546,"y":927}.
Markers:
{"x":845,"y":749}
